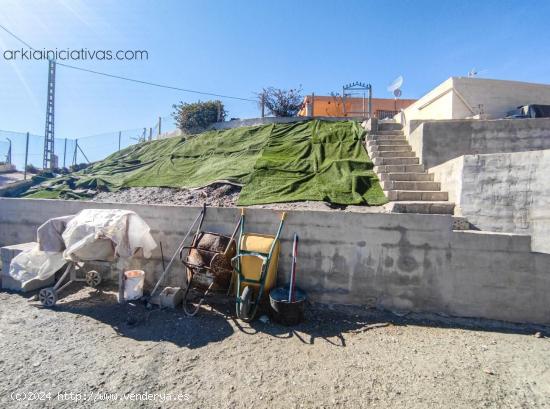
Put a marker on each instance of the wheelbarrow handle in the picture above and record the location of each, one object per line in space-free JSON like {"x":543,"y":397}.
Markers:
{"x":258,"y":255}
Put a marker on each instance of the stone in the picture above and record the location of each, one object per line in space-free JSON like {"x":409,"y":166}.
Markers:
{"x":7,"y":253}
{"x":171,"y":297}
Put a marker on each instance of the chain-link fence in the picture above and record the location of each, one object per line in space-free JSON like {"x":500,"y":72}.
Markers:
{"x":4,"y":149}
{"x":70,"y":151}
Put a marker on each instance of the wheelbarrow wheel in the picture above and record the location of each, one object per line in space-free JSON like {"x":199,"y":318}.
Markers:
{"x":243,"y":308}
{"x":93,"y":278}
{"x":47,"y":297}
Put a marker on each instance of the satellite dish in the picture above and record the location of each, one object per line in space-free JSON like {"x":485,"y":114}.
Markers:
{"x":396,"y":84}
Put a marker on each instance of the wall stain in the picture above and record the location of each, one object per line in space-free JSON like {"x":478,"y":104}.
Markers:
{"x":405,"y":262}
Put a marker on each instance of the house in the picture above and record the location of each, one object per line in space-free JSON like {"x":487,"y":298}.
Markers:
{"x":333,"y":106}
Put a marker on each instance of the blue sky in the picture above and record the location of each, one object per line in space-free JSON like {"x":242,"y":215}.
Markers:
{"x":238,"y":47}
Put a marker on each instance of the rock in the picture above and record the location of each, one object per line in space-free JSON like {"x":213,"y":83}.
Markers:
{"x":539,"y":335}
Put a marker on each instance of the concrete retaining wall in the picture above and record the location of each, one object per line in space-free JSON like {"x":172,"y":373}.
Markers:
{"x":506,"y":192}
{"x":395,"y":261}
{"x":436,"y":142}
{"x":7,"y":168}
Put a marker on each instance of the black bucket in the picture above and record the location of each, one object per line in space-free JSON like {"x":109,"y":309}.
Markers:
{"x":284,"y":312}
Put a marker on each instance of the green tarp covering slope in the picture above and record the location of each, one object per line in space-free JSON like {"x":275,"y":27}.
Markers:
{"x":313,"y":160}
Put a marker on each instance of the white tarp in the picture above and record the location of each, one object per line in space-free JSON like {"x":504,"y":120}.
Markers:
{"x":35,"y":264}
{"x":92,"y":234}
{"x":50,"y":234}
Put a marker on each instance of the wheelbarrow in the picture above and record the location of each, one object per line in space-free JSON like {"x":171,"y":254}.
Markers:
{"x":208,"y":265}
{"x":74,"y":272}
{"x":256,"y":267}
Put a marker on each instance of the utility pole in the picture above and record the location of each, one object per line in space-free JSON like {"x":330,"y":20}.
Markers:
{"x":119,"y":136}
{"x":160,"y":124}
{"x":49,"y":136}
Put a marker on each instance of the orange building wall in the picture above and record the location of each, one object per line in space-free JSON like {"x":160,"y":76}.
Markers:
{"x":332,"y":106}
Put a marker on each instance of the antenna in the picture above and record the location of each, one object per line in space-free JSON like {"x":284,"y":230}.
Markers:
{"x":395,"y":86}
{"x":475,"y":72}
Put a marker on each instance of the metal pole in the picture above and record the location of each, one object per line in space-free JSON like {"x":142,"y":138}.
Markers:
{"x":26,"y":156}
{"x":119,"y":136}
{"x":150,"y":134}
{"x":160,"y":124}
{"x":75,"y":151}
{"x":370,"y":101}
{"x":83,"y":154}
{"x":263,"y":105}
{"x":64,"y":152}
{"x":8,"y":156}
{"x":49,"y":135}
{"x":344,"y":100}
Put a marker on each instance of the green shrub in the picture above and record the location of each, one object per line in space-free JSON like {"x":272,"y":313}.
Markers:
{"x":60,"y":171}
{"x":196,"y":117}
{"x":281,"y":102}
{"x":79,"y":166}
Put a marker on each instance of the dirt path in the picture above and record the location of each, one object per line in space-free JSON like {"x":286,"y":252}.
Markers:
{"x":354,"y":358}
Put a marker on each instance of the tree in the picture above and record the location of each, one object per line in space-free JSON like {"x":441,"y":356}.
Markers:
{"x":196,"y":117}
{"x":281,"y":102}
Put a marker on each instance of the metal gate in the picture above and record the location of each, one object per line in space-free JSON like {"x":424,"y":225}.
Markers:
{"x":357,"y":90}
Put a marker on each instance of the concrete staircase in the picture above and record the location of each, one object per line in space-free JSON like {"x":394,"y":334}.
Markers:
{"x":403,"y":178}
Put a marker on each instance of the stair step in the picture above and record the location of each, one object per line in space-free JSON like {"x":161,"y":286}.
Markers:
{"x":407,"y":176}
{"x":393,"y":154}
{"x":398,"y":168}
{"x":415,"y":195}
{"x":394,"y":161}
{"x":389,"y":126}
{"x":404,"y":147}
{"x":422,"y":207}
{"x":411,"y":185}
{"x":389,"y":142}
{"x":374,"y":137}
{"x":394,"y":132}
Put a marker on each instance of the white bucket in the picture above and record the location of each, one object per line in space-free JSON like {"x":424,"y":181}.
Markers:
{"x":133,"y":284}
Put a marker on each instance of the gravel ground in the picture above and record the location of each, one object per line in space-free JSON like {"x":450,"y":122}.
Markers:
{"x":217,"y":194}
{"x":90,"y":346}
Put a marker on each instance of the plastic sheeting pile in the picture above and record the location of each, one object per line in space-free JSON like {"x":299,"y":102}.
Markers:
{"x":92,"y":234}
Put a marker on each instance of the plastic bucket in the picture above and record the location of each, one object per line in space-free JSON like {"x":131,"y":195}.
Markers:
{"x":285,"y":312}
{"x":133,"y":284}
